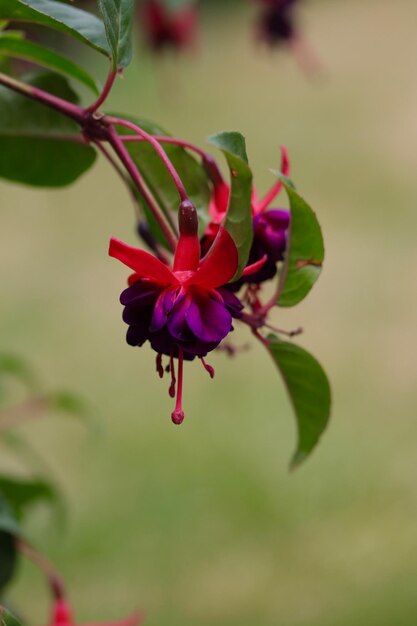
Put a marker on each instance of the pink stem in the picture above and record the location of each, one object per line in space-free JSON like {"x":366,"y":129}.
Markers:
{"x":158,"y":149}
{"x":128,"y":162}
{"x":45,"y":566}
{"x":104,"y":94}
{"x":208,"y":160}
{"x":67,"y":108}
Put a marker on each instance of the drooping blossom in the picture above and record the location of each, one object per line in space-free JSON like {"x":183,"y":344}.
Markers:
{"x":62,"y":616}
{"x":270,"y":228}
{"x":276,"y":23}
{"x":182,"y":311}
{"x":169,"y":27}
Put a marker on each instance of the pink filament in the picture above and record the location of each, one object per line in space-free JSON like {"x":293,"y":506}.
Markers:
{"x":173,"y":379}
{"x":208,"y":368}
{"x":177,"y":414}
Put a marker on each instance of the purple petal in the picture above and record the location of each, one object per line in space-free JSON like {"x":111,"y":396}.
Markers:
{"x":233,"y":304}
{"x":137,"y":334}
{"x":142,"y":293}
{"x":208,"y":319}
{"x":177,"y":323}
{"x":162,"y":309}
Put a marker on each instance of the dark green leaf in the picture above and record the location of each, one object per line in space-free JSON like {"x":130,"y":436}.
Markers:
{"x":239,"y":215}
{"x":309,"y":391}
{"x":59,"y":16}
{"x":21,"y":494}
{"x":305,"y":251}
{"x":118,"y":18}
{"x":16,"y":47}
{"x":40,"y":146}
{"x":8,"y":521}
{"x":8,"y":559}
{"x":159,"y":181}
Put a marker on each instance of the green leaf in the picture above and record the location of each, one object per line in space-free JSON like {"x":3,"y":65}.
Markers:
{"x":309,"y":391}
{"x":16,"y":367}
{"x":8,"y":562}
{"x":8,"y":619}
{"x":21,"y":494}
{"x":68,"y":402}
{"x":59,"y":16}
{"x":40,"y":146}
{"x":239,"y":214}
{"x":118,"y":18}
{"x":16,"y":47}
{"x":305,"y":250}
{"x":159,"y":181}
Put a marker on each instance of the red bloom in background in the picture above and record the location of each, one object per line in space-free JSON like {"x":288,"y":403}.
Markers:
{"x":182,"y":311}
{"x":62,"y":616}
{"x":169,"y":28}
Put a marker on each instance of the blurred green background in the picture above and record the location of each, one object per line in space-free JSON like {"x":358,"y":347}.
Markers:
{"x":204,"y":524}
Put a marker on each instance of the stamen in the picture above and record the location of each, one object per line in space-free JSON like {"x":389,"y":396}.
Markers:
{"x":173,"y":379}
{"x":177,"y":414}
{"x":159,"y":367}
{"x":208,"y":368}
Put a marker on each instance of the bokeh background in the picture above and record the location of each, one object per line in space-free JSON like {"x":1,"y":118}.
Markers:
{"x":204,"y":524}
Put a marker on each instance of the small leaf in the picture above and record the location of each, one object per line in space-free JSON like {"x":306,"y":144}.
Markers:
{"x":68,"y":402}
{"x":309,"y":391}
{"x":16,"y":47}
{"x":8,"y":562}
{"x":59,"y":16}
{"x":8,"y":619}
{"x":305,"y":250}
{"x":239,"y":214}
{"x":40,"y":146}
{"x":118,"y":18}
{"x":16,"y":367}
{"x":21,"y":494}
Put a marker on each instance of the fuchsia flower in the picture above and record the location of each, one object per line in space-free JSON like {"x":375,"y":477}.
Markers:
{"x":62,"y":616}
{"x":277,"y":22}
{"x":182,"y":311}
{"x":269,"y":228}
{"x":166,"y":27}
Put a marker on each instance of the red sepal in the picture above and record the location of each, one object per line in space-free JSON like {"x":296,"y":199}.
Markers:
{"x":219,"y":265}
{"x":143,"y":263}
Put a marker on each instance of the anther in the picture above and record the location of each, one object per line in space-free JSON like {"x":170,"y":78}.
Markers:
{"x":208,"y":368}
